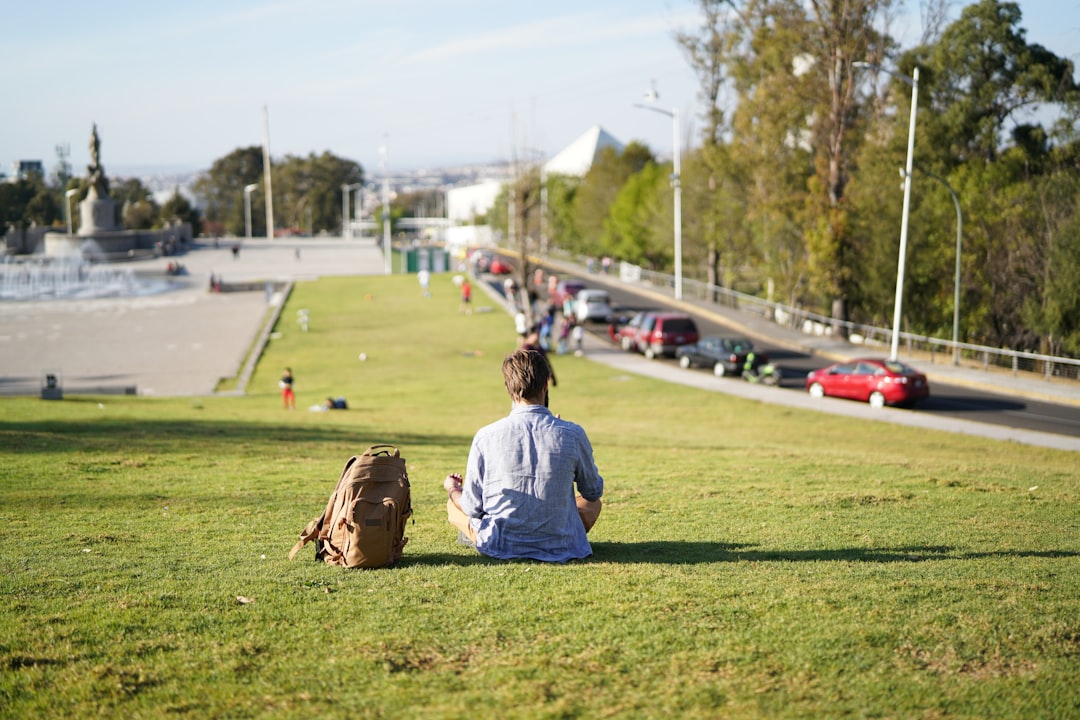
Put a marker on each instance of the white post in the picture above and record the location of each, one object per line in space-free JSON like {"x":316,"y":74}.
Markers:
{"x":344,"y":211}
{"x":677,"y":184}
{"x":67,"y":206}
{"x":387,"y":268}
{"x":266,"y":176}
{"x":247,"y":208}
{"x":899,"y":301}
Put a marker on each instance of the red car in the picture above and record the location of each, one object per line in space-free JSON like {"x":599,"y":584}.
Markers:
{"x":499,"y":266}
{"x":879,"y":382}
{"x":656,"y":333}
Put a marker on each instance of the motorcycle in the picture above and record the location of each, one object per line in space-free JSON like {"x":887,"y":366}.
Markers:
{"x":765,"y":373}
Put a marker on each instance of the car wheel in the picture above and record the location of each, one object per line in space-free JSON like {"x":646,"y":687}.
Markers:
{"x":877,"y":400}
{"x":650,"y":353}
{"x":626,"y":344}
{"x":816,"y":390}
{"x":719,"y":370}
{"x":684,"y":361}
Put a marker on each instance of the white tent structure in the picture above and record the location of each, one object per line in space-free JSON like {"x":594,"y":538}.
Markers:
{"x":578,"y":156}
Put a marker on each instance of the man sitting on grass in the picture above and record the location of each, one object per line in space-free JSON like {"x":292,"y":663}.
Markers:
{"x":517,"y":498}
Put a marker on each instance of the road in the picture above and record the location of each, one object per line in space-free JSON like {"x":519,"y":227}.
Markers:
{"x":960,"y":403}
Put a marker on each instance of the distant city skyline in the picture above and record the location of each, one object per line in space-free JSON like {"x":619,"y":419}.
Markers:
{"x":174,"y":87}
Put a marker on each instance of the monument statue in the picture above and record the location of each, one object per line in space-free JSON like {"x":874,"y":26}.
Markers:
{"x":99,"y":184}
{"x":98,"y":210}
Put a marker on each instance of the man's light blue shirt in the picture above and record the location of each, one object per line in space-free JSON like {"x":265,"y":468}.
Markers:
{"x":519,"y":483}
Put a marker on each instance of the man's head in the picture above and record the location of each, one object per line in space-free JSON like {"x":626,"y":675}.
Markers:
{"x":526,"y":373}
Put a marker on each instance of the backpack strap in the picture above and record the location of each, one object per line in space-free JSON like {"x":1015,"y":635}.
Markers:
{"x":383,"y":450}
{"x":315,"y":527}
{"x":310,"y":533}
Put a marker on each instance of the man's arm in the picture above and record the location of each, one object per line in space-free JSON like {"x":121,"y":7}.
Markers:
{"x":588,"y":480}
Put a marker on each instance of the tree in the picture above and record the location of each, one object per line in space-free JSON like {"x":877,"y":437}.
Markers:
{"x":633,"y":229}
{"x":593,"y":198}
{"x":312,"y":185}
{"x":221,"y":191}
{"x":138,"y":209}
{"x":984,"y":74}
{"x":179,"y":209}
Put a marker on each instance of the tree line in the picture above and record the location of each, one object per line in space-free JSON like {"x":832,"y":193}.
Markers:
{"x":793,"y":183}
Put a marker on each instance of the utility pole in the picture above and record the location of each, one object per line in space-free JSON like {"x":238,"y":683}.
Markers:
{"x":266,"y":175}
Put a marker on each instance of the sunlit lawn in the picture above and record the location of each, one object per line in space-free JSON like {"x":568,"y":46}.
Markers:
{"x":751,"y":560}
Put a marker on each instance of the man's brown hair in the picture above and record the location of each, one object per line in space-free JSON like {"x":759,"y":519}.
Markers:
{"x":526,"y":373}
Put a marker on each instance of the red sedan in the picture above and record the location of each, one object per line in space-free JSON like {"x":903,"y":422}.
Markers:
{"x":879,"y":382}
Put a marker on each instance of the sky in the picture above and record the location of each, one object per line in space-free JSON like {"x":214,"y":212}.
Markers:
{"x":434,"y":83}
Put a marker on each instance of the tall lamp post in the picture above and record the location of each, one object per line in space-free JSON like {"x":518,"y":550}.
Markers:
{"x":67,"y":206}
{"x":346,"y":229}
{"x":956,"y":280}
{"x":651,"y":96}
{"x":388,"y":268}
{"x":248,"y":189}
{"x":898,"y":304}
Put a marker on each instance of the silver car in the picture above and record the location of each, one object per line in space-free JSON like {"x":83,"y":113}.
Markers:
{"x":592,"y":306}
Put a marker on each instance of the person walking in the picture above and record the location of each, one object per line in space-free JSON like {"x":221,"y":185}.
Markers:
{"x":286,"y":385}
{"x":466,"y":297}
{"x":517,"y":498}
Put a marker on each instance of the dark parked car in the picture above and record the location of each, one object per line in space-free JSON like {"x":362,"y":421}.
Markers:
{"x":657,"y":333}
{"x":726,"y":356}
{"x":879,"y":382}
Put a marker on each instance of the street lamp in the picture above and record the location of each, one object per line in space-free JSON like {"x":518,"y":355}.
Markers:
{"x":956,"y":281}
{"x":651,"y":96}
{"x":898,"y":304}
{"x":346,"y":229}
{"x":247,"y":208}
{"x":383,"y":153}
{"x":67,"y":206}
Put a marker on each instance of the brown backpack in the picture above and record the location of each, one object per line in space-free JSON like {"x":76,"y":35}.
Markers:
{"x":363,"y":525}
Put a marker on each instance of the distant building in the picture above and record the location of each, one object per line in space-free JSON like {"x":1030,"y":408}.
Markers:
{"x":464,"y":204}
{"x":24,"y":169}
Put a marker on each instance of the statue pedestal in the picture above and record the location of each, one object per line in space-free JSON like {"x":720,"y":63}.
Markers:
{"x":97,"y":215}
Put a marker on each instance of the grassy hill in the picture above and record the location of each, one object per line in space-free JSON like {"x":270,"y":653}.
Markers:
{"x":751,"y":560}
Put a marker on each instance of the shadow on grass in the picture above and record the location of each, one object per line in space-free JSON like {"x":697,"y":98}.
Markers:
{"x":691,"y":553}
{"x":164,"y":435}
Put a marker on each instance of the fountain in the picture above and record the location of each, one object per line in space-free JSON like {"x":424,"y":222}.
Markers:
{"x":72,"y":278}
{"x":99,"y":225}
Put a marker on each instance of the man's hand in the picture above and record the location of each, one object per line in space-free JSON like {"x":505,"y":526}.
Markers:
{"x":452,"y":482}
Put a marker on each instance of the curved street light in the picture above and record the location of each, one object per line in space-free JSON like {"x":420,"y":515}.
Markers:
{"x":651,"y":96}
{"x":67,"y":205}
{"x":248,"y":189}
{"x":346,"y":188}
{"x":898,"y":304}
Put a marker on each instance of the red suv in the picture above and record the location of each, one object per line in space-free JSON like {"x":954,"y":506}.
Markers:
{"x":658,"y":333}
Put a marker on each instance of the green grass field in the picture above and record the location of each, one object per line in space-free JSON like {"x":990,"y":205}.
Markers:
{"x":752,"y":561}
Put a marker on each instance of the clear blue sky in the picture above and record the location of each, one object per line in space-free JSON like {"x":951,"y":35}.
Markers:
{"x":439,"y":81}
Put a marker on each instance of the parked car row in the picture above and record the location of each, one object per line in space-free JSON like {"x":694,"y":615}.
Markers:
{"x":660,"y":333}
